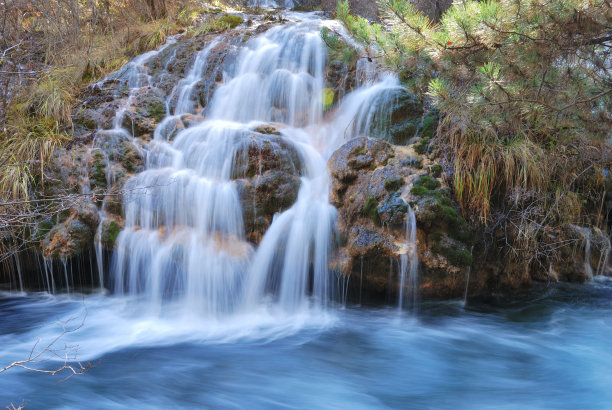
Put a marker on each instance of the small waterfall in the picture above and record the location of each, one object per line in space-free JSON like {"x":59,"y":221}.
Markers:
{"x":587,"y":253}
{"x":604,"y":260}
{"x":271,"y":3}
{"x":184,"y":241}
{"x":467,"y":281}
{"x":409,"y":266}
{"x":184,"y":104}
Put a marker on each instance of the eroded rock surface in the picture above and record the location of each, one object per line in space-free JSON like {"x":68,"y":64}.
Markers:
{"x":267,"y":170}
{"x":373,"y":183}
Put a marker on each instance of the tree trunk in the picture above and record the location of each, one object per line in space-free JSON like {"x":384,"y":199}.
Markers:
{"x":157,"y":8}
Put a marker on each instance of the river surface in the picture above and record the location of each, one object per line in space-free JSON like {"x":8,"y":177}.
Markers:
{"x":545,"y":349}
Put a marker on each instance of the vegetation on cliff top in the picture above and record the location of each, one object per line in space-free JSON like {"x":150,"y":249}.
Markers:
{"x":524,"y":93}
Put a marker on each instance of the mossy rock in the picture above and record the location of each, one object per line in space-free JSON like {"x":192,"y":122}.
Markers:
{"x":393,"y":184}
{"x":68,"y":240}
{"x":427,"y":182}
{"x":422,"y":146}
{"x":429,"y":126}
{"x":267,"y":130}
{"x":109,"y":232}
{"x":156,"y":109}
{"x":97,"y":172}
{"x":43,"y":228}
{"x":230,"y":20}
{"x":457,"y":257}
{"x":370,"y":208}
{"x":436,"y":170}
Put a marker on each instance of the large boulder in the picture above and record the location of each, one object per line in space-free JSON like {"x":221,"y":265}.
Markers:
{"x":73,"y":236}
{"x":373,"y":185}
{"x":267,"y":170}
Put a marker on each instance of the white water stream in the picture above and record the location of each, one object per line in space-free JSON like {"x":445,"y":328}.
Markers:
{"x":184,"y":239}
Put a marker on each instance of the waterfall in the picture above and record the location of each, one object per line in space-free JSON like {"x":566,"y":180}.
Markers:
{"x":184,"y":104}
{"x":184,"y":240}
{"x":586,"y":232}
{"x":409,"y":266}
{"x":135,"y":75}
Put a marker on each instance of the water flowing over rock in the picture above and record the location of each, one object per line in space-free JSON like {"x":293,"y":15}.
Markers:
{"x":234,"y":209}
{"x":249,"y":167}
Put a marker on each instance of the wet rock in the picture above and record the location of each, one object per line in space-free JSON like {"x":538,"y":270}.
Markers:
{"x":89,"y":118}
{"x":406,"y":114}
{"x":73,"y":236}
{"x":259,"y":153}
{"x":147,"y":110}
{"x":366,"y":182}
{"x":109,"y":231}
{"x":393,"y":210}
{"x":584,"y":258}
{"x":372,"y":184}
{"x":267,"y":171}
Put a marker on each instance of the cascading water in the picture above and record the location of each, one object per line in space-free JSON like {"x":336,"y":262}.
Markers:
{"x":409,"y":265}
{"x":135,"y":75}
{"x":184,"y":239}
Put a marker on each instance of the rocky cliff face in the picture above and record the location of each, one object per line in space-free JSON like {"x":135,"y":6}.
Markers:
{"x":373,"y":181}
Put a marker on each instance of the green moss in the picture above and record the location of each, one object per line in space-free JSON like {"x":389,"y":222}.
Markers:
{"x":371,"y":209}
{"x":446,"y":214}
{"x":419,"y":190}
{"x":421,"y":146}
{"x":450,"y":214}
{"x":459,"y":257}
{"x":436,"y":236}
{"x":393,"y":184}
{"x":157,"y":110}
{"x":110,"y":233}
{"x":98,"y":170}
{"x":230,"y":20}
{"x":43,"y":228}
{"x":429,"y":125}
{"x":359,"y":150}
{"x":444,"y":200}
{"x":428,"y":182}
{"x":463,"y":233}
{"x":436,"y":170}
{"x":405,"y":75}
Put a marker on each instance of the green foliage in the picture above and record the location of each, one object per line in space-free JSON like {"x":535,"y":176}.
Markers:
{"x":393,"y":184}
{"x":524,"y":94}
{"x":110,"y":233}
{"x":339,"y":50}
{"x":429,"y":125}
{"x":371,"y":209}
{"x":436,"y":170}
{"x":422,"y":145}
{"x":223,"y":23}
{"x":427,"y":182}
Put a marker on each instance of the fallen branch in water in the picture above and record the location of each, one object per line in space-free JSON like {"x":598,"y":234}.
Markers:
{"x":67,"y":353}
